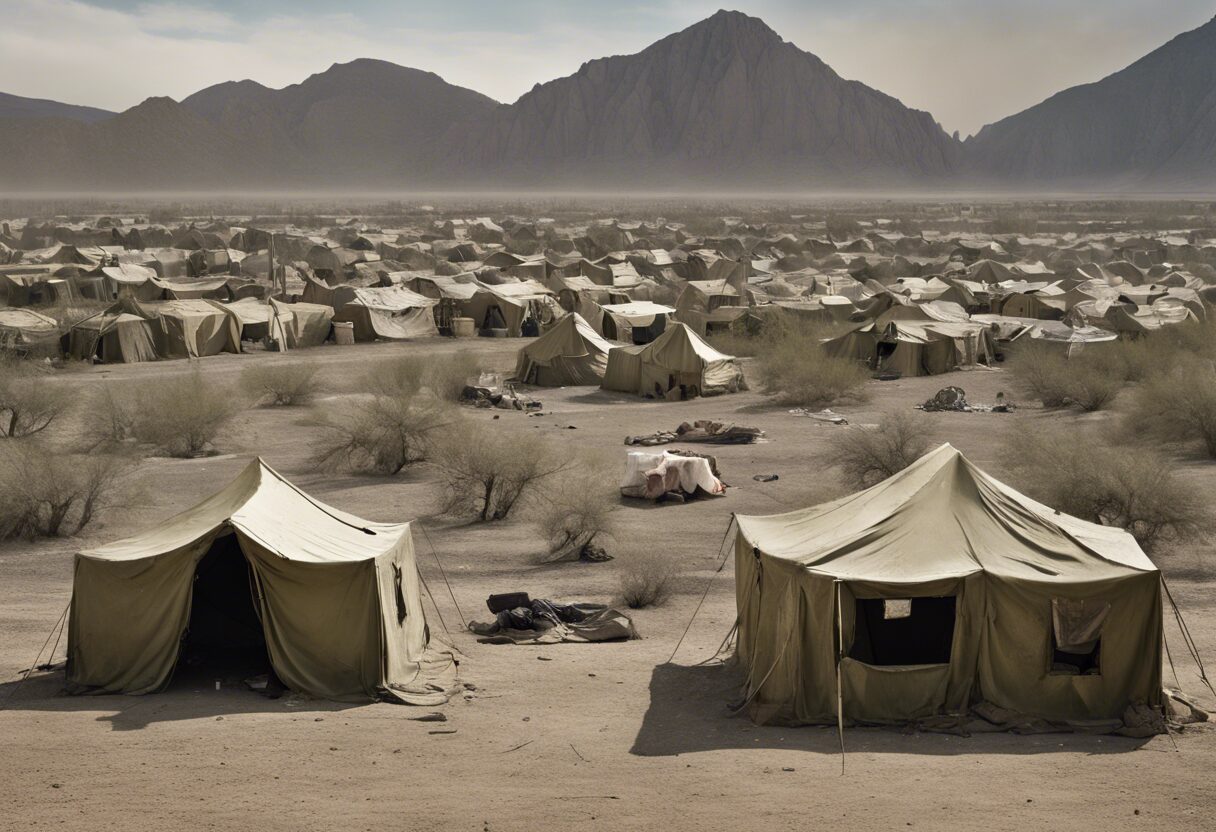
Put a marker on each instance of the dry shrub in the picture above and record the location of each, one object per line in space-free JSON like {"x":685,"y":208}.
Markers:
{"x":488,"y":472}
{"x":112,"y":413}
{"x":404,"y":376}
{"x":280,"y":384}
{"x":580,"y":507}
{"x":1079,"y":472}
{"x":1090,"y":380}
{"x":48,"y":493}
{"x":867,"y":456}
{"x":647,"y":578}
{"x":798,"y":373}
{"x":381,"y":436}
{"x":1179,"y":405}
{"x":29,"y":403}
{"x":181,"y":416}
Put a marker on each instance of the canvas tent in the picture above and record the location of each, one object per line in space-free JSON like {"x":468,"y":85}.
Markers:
{"x":677,"y":364}
{"x":112,"y":337}
{"x":916,"y":348}
{"x":331,"y":601}
{"x":388,"y":313}
{"x":571,"y":353}
{"x":941,"y":588}
{"x":22,"y":328}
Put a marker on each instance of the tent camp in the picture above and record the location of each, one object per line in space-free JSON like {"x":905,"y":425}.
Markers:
{"x":571,"y":353}
{"x":676,"y":365}
{"x":258,"y":574}
{"x":938,"y":589}
{"x":388,"y":313}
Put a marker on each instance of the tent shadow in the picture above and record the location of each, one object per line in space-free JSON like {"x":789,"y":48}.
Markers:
{"x":44,"y":692}
{"x":689,"y":713}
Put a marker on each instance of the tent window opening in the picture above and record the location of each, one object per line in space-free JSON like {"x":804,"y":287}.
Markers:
{"x":1076,"y":636}
{"x":402,"y":612}
{"x":903,"y":631}
{"x":224,"y":639}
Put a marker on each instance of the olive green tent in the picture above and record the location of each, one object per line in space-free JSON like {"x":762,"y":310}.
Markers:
{"x":333,"y":601}
{"x":938,"y":589}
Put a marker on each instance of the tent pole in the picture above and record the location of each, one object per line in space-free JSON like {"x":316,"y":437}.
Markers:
{"x":839,"y":693}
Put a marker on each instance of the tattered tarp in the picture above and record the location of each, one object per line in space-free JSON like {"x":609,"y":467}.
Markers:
{"x":544,"y":622}
{"x":338,"y":597}
{"x":388,"y":313}
{"x":651,"y":475}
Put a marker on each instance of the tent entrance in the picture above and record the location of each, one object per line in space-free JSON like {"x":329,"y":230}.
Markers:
{"x":906,"y":631}
{"x":224,"y":639}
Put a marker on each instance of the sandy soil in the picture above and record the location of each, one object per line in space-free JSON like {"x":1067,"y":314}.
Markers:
{"x":607,"y":736}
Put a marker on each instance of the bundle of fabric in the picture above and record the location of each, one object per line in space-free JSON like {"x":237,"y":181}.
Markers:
{"x":705,"y":431}
{"x":538,"y":621}
{"x":653,"y":476}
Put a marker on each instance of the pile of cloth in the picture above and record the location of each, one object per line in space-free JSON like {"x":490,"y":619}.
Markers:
{"x":503,"y":399}
{"x":954,"y":399}
{"x":539,"y":621}
{"x":705,"y":431}
{"x":674,"y":475}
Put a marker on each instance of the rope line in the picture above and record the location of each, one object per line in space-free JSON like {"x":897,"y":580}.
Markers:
{"x":464,"y":621}
{"x":708,"y":584}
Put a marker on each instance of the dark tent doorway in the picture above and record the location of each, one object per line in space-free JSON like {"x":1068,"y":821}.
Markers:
{"x":224,"y":640}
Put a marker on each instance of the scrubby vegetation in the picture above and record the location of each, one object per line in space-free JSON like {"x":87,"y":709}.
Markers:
{"x":866,"y":456}
{"x":48,"y":493}
{"x":796,"y":371}
{"x":280,"y":384}
{"x":383,"y":435}
{"x":445,"y":377}
{"x":580,"y":507}
{"x":1078,"y":471}
{"x":647,"y":578}
{"x":28,"y":403}
{"x":182,"y":415}
{"x":1178,"y":405}
{"x":1090,"y":380}
{"x":488,"y":473}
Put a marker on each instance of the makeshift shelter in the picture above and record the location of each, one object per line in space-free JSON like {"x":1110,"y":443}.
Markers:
{"x":571,"y":353}
{"x":512,"y":307}
{"x":24,"y":328}
{"x":676,"y":365}
{"x":938,"y":589}
{"x":258,"y":571}
{"x":187,"y":328}
{"x":388,"y":313}
{"x":635,"y":322}
{"x":112,"y":337}
{"x":916,"y":348}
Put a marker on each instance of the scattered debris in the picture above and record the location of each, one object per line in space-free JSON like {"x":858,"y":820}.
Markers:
{"x":705,"y":431}
{"x":517,"y":747}
{"x":954,"y":399}
{"x":431,"y":717}
{"x":766,"y":477}
{"x":673,"y":476}
{"x":538,"y":621}
{"x":827,"y":415}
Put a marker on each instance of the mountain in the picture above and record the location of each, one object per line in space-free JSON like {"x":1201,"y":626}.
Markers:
{"x":14,"y":106}
{"x":1149,"y":126}
{"x":362,"y":124}
{"x":365,"y":122}
{"x":723,"y":102}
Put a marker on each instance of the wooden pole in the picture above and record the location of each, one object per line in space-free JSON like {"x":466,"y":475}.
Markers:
{"x":839,"y":687}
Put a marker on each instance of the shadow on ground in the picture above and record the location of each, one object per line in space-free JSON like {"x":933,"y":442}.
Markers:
{"x":44,"y":692}
{"x":689,"y":712}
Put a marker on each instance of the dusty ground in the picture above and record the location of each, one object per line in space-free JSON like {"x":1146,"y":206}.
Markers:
{"x":607,"y":736}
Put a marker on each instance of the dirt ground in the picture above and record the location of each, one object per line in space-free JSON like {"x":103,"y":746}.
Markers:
{"x":605,"y":736}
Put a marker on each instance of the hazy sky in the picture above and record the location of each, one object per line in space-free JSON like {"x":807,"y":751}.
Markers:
{"x":968,"y":62}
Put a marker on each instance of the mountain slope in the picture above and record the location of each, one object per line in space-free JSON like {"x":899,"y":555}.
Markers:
{"x":1152,"y":124}
{"x":726,"y":101}
{"x":15,"y":106}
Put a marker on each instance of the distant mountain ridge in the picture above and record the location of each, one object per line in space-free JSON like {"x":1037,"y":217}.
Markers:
{"x":726,"y":103}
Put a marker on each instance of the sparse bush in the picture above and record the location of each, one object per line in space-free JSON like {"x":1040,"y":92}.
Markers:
{"x":280,"y":384}
{"x":49,"y":494}
{"x":646,"y":578}
{"x":181,"y":416}
{"x":1179,"y":405}
{"x":29,"y":404}
{"x":1090,"y":380}
{"x":383,"y":435}
{"x":867,"y":456}
{"x":407,"y":375}
{"x":488,"y":472}
{"x":1079,"y":472}
{"x":112,"y":413}
{"x":580,"y":508}
{"x":795,"y":369}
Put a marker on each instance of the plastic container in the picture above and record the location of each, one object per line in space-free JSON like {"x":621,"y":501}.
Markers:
{"x":464,"y":327}
{"x":344,"y":333}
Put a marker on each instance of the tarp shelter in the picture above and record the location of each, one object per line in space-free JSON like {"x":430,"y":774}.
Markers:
{"x":937,"y":589}
{"x":112,"y":337}
{"x":649,"y":475}
{"x":389,"y":313}
{"x":676,"y":365}
{"x":508,"y":305}
{"x":330,"y":601}
{"x":571,"y":353}
{"x":22,"y":328}
{"x":188,"y":328}
{"x":635,"y":322}
{"x":916,"y":348}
